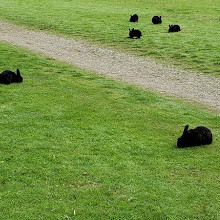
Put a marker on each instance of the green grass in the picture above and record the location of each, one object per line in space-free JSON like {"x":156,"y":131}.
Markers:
{"x":106,"y":23}
{"x":62,"y":121}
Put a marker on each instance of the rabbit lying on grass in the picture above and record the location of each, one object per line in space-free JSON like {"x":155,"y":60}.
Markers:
{"x":195,"y":137}
{"x":7,"y":77}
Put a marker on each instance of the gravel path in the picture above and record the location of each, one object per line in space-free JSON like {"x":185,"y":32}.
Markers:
{"x":138,"y":71}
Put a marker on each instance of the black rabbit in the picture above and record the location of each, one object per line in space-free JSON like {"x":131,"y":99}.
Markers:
{"x":156,"y":20}
{"x":7,"y":77}
{"x":195,"y":137}
{"x":134,"y":18}
{"x":174,"y":28}
{"x":134,"y":33}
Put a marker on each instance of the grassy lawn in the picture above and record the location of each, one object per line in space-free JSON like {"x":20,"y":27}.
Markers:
{"x":75,"y":145}
{"x":106,"y":22}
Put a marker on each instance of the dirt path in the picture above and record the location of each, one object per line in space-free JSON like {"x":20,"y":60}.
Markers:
{"x":138,"y":71}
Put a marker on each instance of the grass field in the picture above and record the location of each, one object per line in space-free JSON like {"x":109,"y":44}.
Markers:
{"x":75,"y":145}
{"x":106,"y":22}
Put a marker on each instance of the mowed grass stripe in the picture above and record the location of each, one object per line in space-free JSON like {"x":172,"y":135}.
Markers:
{"x":62,"y":122}
{"x":107,"y":22}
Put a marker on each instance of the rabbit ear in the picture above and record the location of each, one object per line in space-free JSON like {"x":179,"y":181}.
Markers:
{"x":186,"y":128}
{"x":18,"y":72}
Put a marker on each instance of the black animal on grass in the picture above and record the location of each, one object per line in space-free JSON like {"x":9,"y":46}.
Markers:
{"x":134,"y":33}
{"x":174,"y":28}
{"x":157,"y":20}
{"x":7,"y":77}
{"x":134,"y":18}
{"x":194,"y":137}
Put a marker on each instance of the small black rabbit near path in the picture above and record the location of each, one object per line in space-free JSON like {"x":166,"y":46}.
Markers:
{"x":195,"y":137}
{"x":134,"y":33}
{"x":7,"y":77}
{"x":134,"y":18}
{"x":174,"y":28}
{"x":156,"y":20}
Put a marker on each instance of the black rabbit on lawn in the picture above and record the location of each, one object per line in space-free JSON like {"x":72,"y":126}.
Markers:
{"x":7,"y":77}
{"x":195,"y":137}
{"x":174,"y":28}
{"x":156,"y":20}
{"x":134,"y":33}
{"x":134,"y":18}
